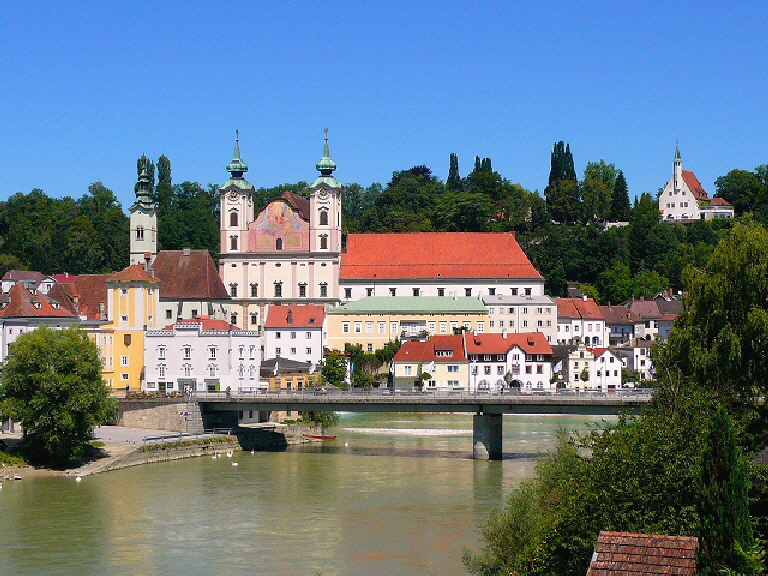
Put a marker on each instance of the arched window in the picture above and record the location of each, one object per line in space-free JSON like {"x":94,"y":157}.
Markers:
{"x":233,"y":218}
{"x":139,"y":232}
{"x":323,"y":217}
{"x":323,"y":242}
{"x":254,"y":290}
{"x":233,"y":290}
{"x":279,"y":244}
{"x":233,"y":242}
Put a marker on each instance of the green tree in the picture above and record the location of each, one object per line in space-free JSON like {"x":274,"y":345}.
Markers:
{"x":334,"y":369}
{"x":164,"y":188}
{"x":599,"y":180}
{"x":721,"y":340}
{"x":454,"y":178}
{"x":620,"y":199}
{"x":51,"y":383}
{"x":725,"y":537}
{"x":562,"y":198}
{"x":743,"y":190}
{"x":83,"y":252}
{"x":111,"y":227}
{"x":10,"y":262}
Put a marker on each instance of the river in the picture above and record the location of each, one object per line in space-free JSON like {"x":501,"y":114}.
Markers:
{"x":394,"y":494}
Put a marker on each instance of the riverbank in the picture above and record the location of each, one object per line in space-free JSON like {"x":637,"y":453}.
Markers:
{"x":120,"y":447}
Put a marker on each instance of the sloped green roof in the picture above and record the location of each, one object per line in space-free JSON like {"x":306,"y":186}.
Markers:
{"x":412,"y":305}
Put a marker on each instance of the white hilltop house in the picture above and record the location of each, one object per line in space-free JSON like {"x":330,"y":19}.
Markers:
{"x":202,"y":355}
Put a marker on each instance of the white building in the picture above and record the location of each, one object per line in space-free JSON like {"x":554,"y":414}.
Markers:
{"x":450,"y":264}
{"x":525,"y":357}
{"x":295,"y":333}
{"x":684,"y":198}
{"x":143,"y":224}
{"x":523,"y":314}
{"x":201,"y":354}
{"x":580,"y":320}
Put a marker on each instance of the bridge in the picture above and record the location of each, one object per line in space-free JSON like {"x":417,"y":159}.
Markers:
{"x":487,"y":408}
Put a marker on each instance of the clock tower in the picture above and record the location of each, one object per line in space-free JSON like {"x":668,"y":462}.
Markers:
{"x":325,"y":207}
{"x":236,"y":205}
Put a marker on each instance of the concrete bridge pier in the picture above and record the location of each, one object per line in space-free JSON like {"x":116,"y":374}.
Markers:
{"x":486,"y":436}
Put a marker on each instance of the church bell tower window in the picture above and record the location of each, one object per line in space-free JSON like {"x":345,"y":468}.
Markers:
{"x":324,"y":218}
{"x":233,"y":218}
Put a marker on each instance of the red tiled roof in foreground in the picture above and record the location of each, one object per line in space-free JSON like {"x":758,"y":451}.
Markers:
{"x":414,"y":351}
{"x":295,"y":317}
{"x":694,"y":185}
{"x":578,"y":308}
{"x":434,"y":255}
{"x":626,"y":553}
{"x":495,"y":343}
{"x":719,"y":202}
{"x":133,"y":273}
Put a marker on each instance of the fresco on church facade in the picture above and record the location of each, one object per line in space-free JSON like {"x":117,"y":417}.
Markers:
{"x":278,"y":227}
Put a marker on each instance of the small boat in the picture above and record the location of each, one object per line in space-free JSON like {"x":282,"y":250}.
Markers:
{"x":318,"y":437}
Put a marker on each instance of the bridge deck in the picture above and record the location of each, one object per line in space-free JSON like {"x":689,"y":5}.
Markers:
{"x":378,"y":401}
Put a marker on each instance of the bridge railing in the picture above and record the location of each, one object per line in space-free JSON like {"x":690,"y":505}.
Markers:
{"x":356,"y":394}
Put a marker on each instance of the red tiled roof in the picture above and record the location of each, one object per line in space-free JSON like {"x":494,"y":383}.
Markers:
{"x":133,"y":273}
{"x":192,"y":275}
{"x":577,"y":309}
{"x":495,"y":343}
{"x":435,"y":255}
{"x":90,"y":291}
{"x":694,"y":185}
{"x":300,"y":317}
{"x":719,"y":202}
{"x":626,"y":553}
{"x":299,"y":203}
{"x":63,"y":297}
{"x":414,"y":351}
{"x":23,"y":304}
{"x":64,"y":278}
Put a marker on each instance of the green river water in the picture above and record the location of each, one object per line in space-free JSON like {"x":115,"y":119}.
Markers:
{"x":394,"y":494}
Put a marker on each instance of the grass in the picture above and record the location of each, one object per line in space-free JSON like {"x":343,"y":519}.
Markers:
{"x":11,"y":458}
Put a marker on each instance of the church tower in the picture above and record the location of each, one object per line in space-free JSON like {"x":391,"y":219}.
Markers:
{"x":143,"y":224}
{"x":325,"y":195}
{"x":236,"y":205}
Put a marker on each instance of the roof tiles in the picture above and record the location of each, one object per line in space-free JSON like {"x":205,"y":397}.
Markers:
{"x":626,"y":553}
{"x":694,"y":185}
{"x":578,"y":309}
{"x":415,"y":351}
{"x":495,"y":343}
{"x":188,"y":274}
{"x":23,"y":304}
{"x":432,"y":255}
{"x":295,"y":317}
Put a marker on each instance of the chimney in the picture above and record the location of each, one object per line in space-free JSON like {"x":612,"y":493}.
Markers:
{"x":102,"y":310}
{"x":186,"y":251}
{"x":474,"y":333}
{"x":642,"y":298}
{"x":289,"y":317}
{"x":584,"y":297}
{"x":504,"y":333}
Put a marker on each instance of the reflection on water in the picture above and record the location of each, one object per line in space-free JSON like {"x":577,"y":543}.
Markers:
{"x":370,"y":502}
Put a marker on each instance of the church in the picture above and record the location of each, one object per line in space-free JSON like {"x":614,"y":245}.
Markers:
{"x":289,"y":253}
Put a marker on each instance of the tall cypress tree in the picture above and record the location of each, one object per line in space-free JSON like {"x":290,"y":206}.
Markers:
{"x":620,"y":199}
{"x":562,"y":192}
{"x":164,"y":188}
{"x":726,"y":538}
{"x":478,"y":165}
{"x":454,"y":178}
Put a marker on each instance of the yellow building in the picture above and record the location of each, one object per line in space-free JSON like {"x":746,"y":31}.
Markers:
{"x":372,"y":322}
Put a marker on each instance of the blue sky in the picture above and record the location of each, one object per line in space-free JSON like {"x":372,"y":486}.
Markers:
{"x":87,"y":87}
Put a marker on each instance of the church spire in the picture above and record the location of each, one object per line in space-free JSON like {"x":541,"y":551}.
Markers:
{"x":326,"y":166}
{"x":143,"y":191}
{"x":678,"y":159}
{"x":237,"y":167}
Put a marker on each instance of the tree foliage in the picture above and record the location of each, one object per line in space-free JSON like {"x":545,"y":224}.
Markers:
{"x":51,"y":383}
{"x":334,"y":369}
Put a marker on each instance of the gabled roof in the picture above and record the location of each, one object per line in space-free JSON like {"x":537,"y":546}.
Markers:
{"x":411,"y":305}
{"x":694,"y":185}
{"x":619,"y":315}
{"x":670,"y":309}
{"x":415,"y":351}
{"x":299,"y":203}
{"x":62,"y":296}
{"x":435,"y":255}
{"x":495,"y":343}
{"x":719,"y":202}
{"x":561,"y":351}
{"x":295,"y":317}
{"x":646,"y":309}
{"x":626,"y":553}
{"x":578,"y":309}
{"x":133,"y":273}
{"x":64,"y":278}
{"x":20,"y":303}
{"x":188,"y":274}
